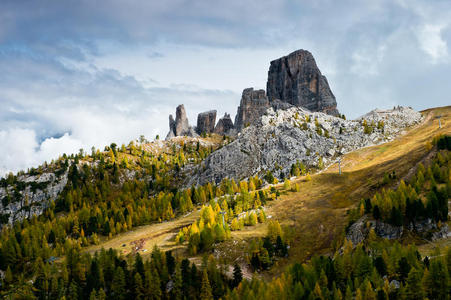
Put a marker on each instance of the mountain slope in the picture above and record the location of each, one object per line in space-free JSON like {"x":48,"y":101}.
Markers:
{"x":316,"y":215}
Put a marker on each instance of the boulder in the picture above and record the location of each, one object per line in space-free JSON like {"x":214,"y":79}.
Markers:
{"x":253,"y":105}
{"x":206,"y":122}
{"x":296,"y":79}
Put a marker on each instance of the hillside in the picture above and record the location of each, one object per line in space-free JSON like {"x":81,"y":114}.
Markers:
{"x":128,"y":199}
{"x":316,"y":216}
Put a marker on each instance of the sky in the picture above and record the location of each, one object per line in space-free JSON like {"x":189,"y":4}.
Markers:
{"x":77,"y":74}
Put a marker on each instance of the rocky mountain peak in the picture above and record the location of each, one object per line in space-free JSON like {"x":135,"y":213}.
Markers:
{"x":253,"y":104}
{"x":296,"y":79}
{"x":293,"y":81}
{"x":206,"y":122}
{"x":179,"y":126}
{"x":225,"y":125}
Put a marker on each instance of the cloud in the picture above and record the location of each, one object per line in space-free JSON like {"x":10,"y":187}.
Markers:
{"x":432,"y":42}
{"x":78,"y":74}
{"x":50,"y":108}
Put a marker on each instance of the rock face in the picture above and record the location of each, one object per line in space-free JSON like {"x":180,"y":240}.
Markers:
{"x":280,"y":138}
{"x":252,"y":106}
{"x":180,"y":126}
{"x":225,"y":125}
{"x":51,"y":185}
{"x":426,"y":228}
{"x":296,"y":79}
{"x":206,"y":122}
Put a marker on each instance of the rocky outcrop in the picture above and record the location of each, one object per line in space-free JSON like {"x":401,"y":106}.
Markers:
{"x":293,"y":80}
{"x":38,"y":192}
{"x":180,"y":126}
{"x":225,"y":125}
{"x":253,"y":105}
{"x":296,"y":79}
{"x":359,"y":231}
{"x":279,"y":138}
{"x":428,"y":229}
{"x":206,"y":122}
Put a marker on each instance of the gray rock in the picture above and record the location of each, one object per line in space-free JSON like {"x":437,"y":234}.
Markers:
{"x":32,"y":202}
{"x":386,"y":230}
{"x":181,"y":121}
{"x":253,"y":105}
{"x":206,"y":122}
{"x":225,"y":125}
{"x":296,"y":79}
{"x":442,"y":233}
{"x":279,"y":138}
{"x":180,"y":127}
{"x":358,"y":231}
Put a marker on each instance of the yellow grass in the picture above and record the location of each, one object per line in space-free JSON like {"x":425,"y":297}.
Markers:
{"x":159,"y":234}
{"x":316,"y":215}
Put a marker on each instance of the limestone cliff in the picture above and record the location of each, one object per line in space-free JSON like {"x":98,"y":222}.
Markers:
{"x":206,"y":122}
{"x":253,"y":105}
{"x":296,"y":79}
{"x":225,"y":125}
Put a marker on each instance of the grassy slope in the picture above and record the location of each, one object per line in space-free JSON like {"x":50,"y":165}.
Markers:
{"x":154,"y":234}
{"x":317,"y":214}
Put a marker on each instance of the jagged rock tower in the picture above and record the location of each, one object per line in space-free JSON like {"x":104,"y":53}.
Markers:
{"x":293,"y":80}
{"x":225,"y":125}
{"x":253,"y":104}
{"x":180,"y":125}
{"x":296,"y":79}
{"x":206,"y":122}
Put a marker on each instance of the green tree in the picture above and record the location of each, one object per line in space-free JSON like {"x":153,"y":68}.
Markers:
{"x":237,"y":275}
{"x":414,"y":287}
{"x":177,"y":290}
{"x":205,"y":292}
{"x":153,"y":290}
{"x":118,"y":284}
{"x":437,"y":280}
{"x":138,"y":287}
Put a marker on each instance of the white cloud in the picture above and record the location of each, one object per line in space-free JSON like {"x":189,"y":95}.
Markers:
{"x":432,"y":43}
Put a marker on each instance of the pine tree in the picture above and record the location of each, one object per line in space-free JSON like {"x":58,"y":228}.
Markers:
{"x":138,"y":287}
{"x":177,"y":290}
{"x":414,"y":287}
{"x":118,"y":284}
{"x":237,"y":275}
{"x":153,"y":290}
{"x":73,"y":291}
{"x":8,"y":276}
{"x":205,"y":293}
{"x":437,"y":280}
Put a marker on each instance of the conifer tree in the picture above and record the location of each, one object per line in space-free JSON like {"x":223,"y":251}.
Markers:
{"x":414,"y":287}
{"x":138,"y":287}
{"x":237,"y":275}
{"x":118,"y":284}
{"x":205,"y":293}
{"x":177,"y":290}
